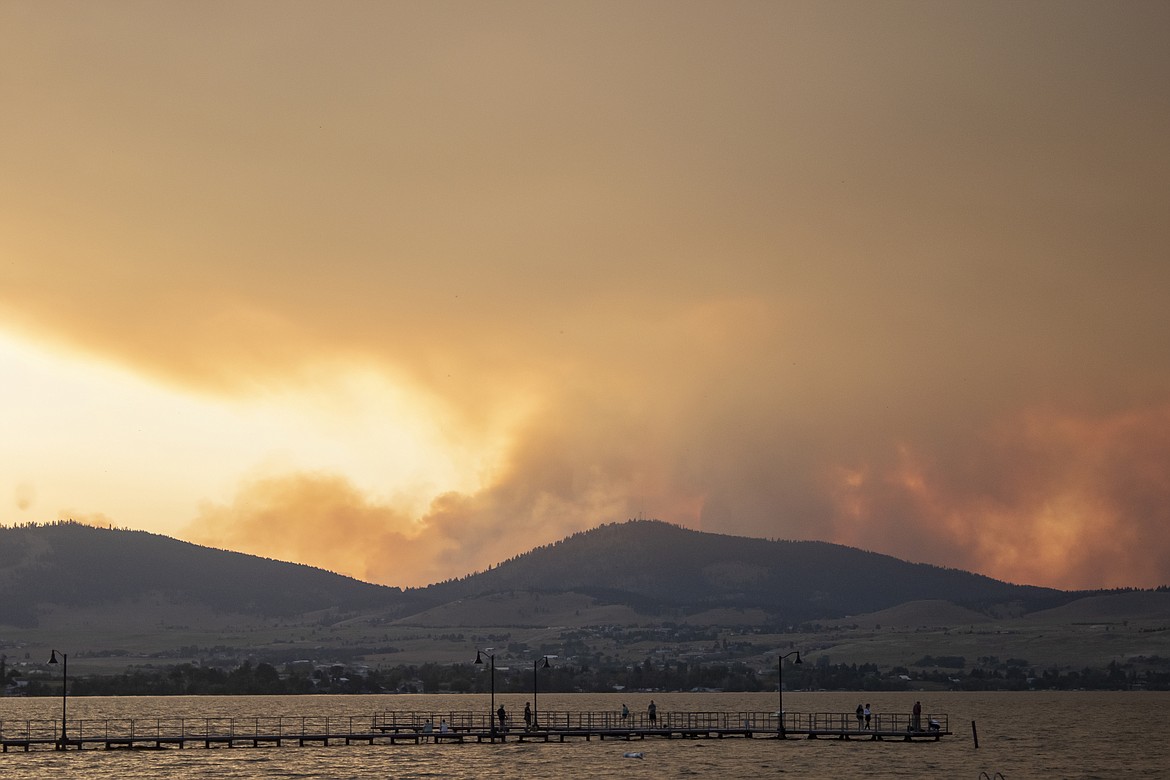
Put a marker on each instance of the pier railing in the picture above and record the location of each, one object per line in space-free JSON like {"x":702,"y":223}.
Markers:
{"x":458,"y":724}
{"x":98,"y":729}
{"x":559,"y":720}
{"x":882,"y":722}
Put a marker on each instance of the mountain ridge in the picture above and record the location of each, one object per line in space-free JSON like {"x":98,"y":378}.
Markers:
{"x":652,"y":567}
{"x":665,"y":567}
{"x":72,"y":564}
{"x":620,"y":593}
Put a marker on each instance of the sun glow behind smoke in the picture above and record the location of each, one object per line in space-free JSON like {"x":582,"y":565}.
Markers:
{"x":91,"y":435}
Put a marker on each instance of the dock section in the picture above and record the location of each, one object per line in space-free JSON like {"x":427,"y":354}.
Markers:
{"x":394,"y":728}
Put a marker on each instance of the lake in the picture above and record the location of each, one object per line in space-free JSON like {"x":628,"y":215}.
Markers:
{"x":1021,"y":735}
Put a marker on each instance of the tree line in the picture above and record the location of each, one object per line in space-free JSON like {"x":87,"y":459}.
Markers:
{"x":265,"y":679}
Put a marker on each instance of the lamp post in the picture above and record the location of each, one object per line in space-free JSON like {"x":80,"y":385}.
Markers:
{"x":479,"y":654}
{"x":541,"y":663}
{"x":64,"y":694}
{"x":780,"y":685}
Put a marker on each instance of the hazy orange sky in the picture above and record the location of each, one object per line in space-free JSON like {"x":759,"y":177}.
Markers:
{"x":403,"y":289}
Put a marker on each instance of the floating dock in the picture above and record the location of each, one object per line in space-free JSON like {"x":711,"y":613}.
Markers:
{"x":453,"y":727}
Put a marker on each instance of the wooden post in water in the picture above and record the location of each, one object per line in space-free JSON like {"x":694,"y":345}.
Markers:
{"x":975,"y":735}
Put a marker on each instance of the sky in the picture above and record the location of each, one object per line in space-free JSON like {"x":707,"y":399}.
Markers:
{"x":404,"y":289}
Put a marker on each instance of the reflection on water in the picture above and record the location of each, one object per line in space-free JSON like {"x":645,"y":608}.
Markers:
{"x":1048,"y":734}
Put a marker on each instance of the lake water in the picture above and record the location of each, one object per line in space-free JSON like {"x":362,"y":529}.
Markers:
{"x":1021,"y":735}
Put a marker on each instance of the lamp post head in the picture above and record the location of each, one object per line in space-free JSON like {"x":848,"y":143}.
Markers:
{"x":797,"y":661}
{"x":53,"y":657}
{"x":478,"y":659}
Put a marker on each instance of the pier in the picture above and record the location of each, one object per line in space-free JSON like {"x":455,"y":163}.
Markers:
{"x":392,"y":728}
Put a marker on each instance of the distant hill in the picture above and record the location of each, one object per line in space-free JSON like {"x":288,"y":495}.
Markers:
{"x":73,"y":565}
{"x":1111,"y":607}
{"x":655,"y":567}
{"x":931,"y":612}
{"x":118,"y":599}
{"x":626,"y":572}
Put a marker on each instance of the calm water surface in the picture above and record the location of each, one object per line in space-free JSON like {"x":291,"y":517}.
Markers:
{"x":1021,"y":735}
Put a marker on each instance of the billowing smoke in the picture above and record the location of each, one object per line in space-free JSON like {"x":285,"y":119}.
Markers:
{"x":888,"y":278}
{"x":1041,"y":499}
{"x":1044,"y":498}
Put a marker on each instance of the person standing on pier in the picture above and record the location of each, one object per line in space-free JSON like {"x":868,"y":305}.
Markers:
{"x":625,"y":713}
{"x":502,"y":715}
{"x":652,"y":710}
{"x":867,"y":713}
{"x":860,"y":716}
{"x":527,"y":717}
{"x":917,"y":720}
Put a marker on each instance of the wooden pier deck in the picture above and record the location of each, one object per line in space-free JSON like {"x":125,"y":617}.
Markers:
{"x":447,"y":727}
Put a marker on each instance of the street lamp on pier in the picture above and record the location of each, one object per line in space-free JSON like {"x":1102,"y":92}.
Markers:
{"x":540,"y":663}
{"x":491,"y":656}
{"x":64,"y":741}
{"x":780,"y":685}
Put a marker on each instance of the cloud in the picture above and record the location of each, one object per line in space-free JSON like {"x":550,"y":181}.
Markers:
{"x":1045,"y":498}
{"x":323,"y":520}
{"x":316,"y":519}
{"x":554,"y":483}
{"x":891,"y":279}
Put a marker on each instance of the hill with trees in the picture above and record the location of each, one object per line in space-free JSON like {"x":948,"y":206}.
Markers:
{"x":681,"y":606}
{"x":656,"y":567}
{"x":73,"y":565}
{"x":652,"y":568}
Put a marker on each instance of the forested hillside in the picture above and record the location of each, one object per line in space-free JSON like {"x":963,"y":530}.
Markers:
{"x":655,"y":566}
{"x":71,"y":564}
